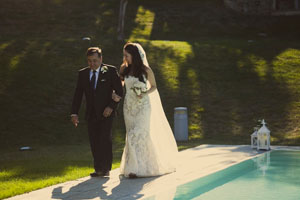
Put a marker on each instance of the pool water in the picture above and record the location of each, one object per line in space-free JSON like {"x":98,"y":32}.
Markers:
{"x":274,"y":175}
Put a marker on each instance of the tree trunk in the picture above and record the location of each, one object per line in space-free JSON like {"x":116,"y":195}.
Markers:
{"x":123,"y":4}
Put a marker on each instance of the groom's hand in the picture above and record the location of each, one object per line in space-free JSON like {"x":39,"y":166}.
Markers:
{"x":75,"y":120}
{"x":107,"y":111}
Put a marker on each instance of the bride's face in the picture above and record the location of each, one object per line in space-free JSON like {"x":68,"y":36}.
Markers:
{"x":127,"y":57}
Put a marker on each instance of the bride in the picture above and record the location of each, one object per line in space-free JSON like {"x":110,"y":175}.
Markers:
{"x":150,"y":148}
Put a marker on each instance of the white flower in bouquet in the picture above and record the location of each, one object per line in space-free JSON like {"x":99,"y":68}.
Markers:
{"x":139,"y":88}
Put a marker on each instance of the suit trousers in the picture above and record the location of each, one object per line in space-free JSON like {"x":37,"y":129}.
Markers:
{"x":100,"y":136}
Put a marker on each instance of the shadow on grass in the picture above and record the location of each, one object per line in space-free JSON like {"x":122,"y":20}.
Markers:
{"x":38,"y":68}
{"x":225,"y":98}
{"x":230,"y":75}
{"x":41,"y":49}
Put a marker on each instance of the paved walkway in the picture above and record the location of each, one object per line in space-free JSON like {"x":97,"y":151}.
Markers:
{"x":193,"y":163}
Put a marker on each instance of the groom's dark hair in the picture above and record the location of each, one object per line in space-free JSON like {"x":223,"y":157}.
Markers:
{"x":93,"y":50}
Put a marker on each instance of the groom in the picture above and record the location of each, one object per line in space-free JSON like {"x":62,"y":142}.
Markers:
{"x":97,"y":83}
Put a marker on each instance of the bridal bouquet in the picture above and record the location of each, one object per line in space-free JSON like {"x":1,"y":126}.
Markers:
{"x":139,"y":88}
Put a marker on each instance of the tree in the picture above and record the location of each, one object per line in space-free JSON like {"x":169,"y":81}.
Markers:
{"x":123,"y":4}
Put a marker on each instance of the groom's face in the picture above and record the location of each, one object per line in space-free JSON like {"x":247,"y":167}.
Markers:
{"x":94,"y":61}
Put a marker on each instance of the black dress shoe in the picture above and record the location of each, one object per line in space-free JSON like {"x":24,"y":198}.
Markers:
{"x":94,"y":174}
{"x":104,"y":173}
{"x":101,"y":174}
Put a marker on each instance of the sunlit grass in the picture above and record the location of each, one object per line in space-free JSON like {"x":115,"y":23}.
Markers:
{"x":22,"y":172}
{"x":144,"y":22}
{"x":194,"y":72}
{"x":171,"y":55}
{"x":16,"y":60}
{"x":18,"y":183}
{"x":4,"y":45}
{"x":260,"y":66}
{"x":287,"y":66}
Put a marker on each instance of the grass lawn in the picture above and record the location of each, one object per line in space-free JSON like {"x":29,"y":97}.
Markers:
{"x":21,"y":172}
{"x":205,"y":57}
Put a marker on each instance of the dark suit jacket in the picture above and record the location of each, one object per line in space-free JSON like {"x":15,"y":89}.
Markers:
{"x":106,"y":83}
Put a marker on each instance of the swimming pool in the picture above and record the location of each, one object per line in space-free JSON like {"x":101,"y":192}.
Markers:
{"x":273,"y":175}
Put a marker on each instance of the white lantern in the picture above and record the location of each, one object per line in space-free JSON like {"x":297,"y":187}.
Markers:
{"x":254,"y":138}
{"x":263,"y":137}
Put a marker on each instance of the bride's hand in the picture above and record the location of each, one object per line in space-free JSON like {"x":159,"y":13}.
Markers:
{"x":115,"y":97}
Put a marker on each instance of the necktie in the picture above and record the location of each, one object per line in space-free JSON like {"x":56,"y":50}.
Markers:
{"x":92,"y":114}
{"x":93,"y":80}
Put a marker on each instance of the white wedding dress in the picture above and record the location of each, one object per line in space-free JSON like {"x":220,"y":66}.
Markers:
{"x":150,"y":148}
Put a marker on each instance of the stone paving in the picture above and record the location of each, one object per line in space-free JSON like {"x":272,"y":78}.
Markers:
{"x":192,"y":164}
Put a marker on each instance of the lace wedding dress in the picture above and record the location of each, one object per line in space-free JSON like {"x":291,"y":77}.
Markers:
{"x":150,"y":148}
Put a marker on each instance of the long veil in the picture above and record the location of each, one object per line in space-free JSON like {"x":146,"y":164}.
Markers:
{"x":160,"y":130}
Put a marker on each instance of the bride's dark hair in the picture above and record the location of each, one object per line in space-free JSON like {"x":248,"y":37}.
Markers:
{"x":137,"y":67}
